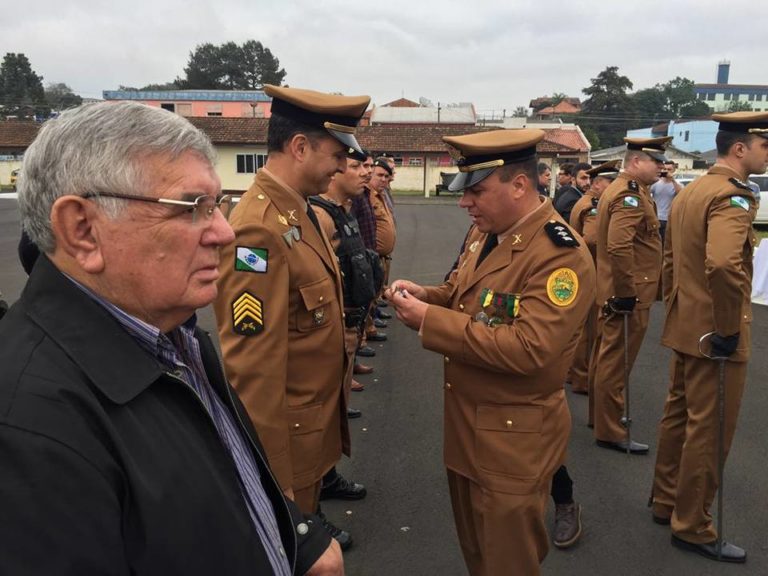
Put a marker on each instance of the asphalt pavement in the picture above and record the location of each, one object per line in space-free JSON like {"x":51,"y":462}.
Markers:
{"x":405,"y":527}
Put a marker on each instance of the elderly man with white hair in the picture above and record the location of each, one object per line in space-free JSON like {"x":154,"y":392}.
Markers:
{"x":124,"y":450}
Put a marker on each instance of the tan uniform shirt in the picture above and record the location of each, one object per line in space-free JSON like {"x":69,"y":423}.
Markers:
{"x":584,"y":220}
{"x":506,"y":418}
{"x":708,"y":264}
{"x":279,"y":313}
{"x":386,"y":234}
{"x":628,"y":243}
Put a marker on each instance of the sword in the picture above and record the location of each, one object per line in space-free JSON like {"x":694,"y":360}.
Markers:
{"x":720,"y":438}
{"x":626,"y":419}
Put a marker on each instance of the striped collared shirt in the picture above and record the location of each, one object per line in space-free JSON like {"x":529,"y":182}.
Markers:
{"x":179,"y":351}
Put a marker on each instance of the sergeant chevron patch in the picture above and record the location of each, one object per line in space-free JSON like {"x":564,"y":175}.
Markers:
{"x":247,"y":315}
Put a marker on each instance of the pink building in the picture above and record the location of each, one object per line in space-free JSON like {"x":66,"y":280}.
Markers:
{"x":201,"y":103}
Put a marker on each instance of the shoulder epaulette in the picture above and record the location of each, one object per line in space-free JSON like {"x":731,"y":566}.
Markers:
{"x":633,"y":186}
{"x":560,"y":234}
{"x":739,"y":184}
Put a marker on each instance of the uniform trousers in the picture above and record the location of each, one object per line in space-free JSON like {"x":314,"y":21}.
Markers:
{"x":500,"y":534}
{"x":609,"y":372}
{"x":593,"y":364}
{"x":578,"y":375}
{"x":687,"y":455}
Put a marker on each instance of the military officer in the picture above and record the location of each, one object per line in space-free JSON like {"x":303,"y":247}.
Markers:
{"x":506,"y":322}
{"x":628,"y":268}
{"x":584,"y":221}
{"x":279,"y":309}
{"x":707,"y":278}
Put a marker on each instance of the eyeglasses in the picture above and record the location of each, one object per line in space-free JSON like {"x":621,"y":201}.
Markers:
{"x":204,"y":205}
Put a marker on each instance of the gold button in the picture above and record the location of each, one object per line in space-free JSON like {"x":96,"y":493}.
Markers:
{"x":645,"y":277}
{"x":447,"y":385}
{"x":320,"y":299}
{"x":509,"y":423}
{"x":297,"y":426}
{"x":461,"y":306}
{"x":260,"y":196}
{"x":447,"y":360}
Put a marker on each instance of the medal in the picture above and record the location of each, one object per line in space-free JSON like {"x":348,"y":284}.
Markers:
{"x":482,"y":317}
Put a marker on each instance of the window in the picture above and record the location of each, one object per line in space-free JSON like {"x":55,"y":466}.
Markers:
{"x":250,"y":163}
{"x":213,"y":109}
{"x":415,"y":161}
{"x":687,"y":134}
{"x":751,"y":97}
{"x":727,"y":96}
{"x":184,"y":109}
{"x":759,"y":97}
{"x":170,"y":106}
{"x":711,"y":96}
{"x":398,"y":160}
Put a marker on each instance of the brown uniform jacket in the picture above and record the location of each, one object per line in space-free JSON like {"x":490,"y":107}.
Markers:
{"x":289,"y":366}
{"x":708,"y":263}
{"x":386,"y":234}
{"x":506,"y":417}
{"x":628,"y":243}
{"x":584,"y":220}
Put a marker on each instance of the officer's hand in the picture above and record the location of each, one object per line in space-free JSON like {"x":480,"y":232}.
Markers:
{"x":331,"y":563}
{"x":724,"y":346}
{"x":622,"y":305}
{"x":410,"y":287}
{"x":410,"y":310}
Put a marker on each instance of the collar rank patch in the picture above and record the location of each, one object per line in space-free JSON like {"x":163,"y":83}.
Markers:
{"x":473,"y":246}
{"x":560,"y":234}
{"x":251,"y":259}
{"x":247,"y":315}
{"x":562,"y":286}
{"x":630,"y":202}
{"x":632,"y":185}
{"x":292,"y":234}
{"x":739,"y":184}
{"x":740,"y":201}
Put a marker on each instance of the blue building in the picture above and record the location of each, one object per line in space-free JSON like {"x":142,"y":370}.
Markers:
{"x":720,"y":95}
{"x":693,"y":136}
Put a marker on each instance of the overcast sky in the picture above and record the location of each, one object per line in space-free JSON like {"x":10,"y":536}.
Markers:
{"x":496,"y":54}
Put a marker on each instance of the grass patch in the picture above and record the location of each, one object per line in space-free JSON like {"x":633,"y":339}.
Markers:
{"x":761,"y":232}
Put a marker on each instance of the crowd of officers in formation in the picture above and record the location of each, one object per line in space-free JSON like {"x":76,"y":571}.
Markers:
{"x":126,"y":451}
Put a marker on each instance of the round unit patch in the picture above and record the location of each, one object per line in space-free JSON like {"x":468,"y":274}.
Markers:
{"x":562,"y":286}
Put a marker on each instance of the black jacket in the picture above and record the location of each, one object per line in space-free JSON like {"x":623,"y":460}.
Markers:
{"x":109,"y":464}
{"x":567,"y":199}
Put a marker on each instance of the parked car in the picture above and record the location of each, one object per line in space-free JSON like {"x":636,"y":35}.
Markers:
{"x":15,"y":176}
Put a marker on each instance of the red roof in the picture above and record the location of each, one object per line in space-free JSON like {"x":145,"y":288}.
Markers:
{"x":563,"y":107}
{"x":402,"y":103}
{"x":570,"y":139}
{"x":223,"y":130}
{"x":17,"y":133}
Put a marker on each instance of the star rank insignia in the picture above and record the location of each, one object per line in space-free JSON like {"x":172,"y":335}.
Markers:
{"x":247,"y":315}
{"x":560,"y":234}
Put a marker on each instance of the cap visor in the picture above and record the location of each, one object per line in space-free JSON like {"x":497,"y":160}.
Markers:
{"x":658,"y":156}
{"x":467,"y":179}
{"x":348,"y":140}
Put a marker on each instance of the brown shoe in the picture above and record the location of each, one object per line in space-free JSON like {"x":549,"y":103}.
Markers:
{"x":356,"y":386}
{"x":362,"y":369}
{"x":567,"y":524}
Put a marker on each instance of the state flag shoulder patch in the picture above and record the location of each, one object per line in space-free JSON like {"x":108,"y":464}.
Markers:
{"x":631,"y":202}
{"x":249,"y":259}
{"x":740,"y":201}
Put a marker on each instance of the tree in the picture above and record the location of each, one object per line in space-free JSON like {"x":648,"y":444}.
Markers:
{"x":681,"y":99}
{"x":231,"y":67}
{"x":608,"y":111}
{"x":650,"y":106}
{"x":59,"y":97}
{"x":739,"y":106}
{"x":557,"y":97}
{"x":520,"y":112}
{"x":261,"y":66}
{"x":21,"y":89}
